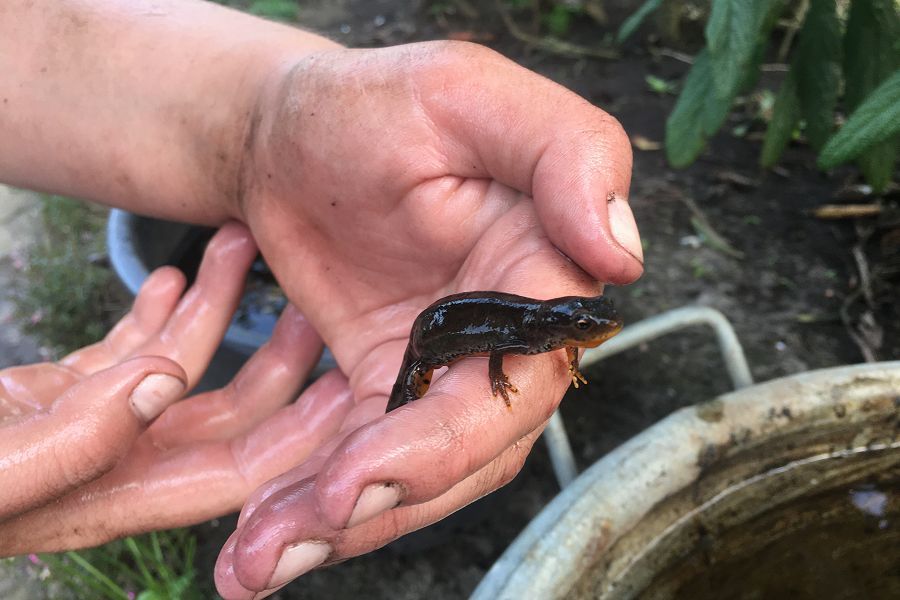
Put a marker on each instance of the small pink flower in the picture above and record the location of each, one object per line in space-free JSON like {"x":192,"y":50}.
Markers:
{"x":36,"y":317}
{"x":35,"y":560}
{"x":18,"y":261}
{"x":131,"y":595}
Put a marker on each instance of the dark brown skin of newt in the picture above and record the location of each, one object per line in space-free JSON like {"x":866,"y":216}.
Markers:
{"x":494,"y":323}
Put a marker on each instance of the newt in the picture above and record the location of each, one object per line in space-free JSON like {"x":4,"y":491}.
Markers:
{"x":496,"y":324}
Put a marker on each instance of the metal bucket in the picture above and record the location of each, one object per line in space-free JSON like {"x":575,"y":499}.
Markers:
{"x":739,"y":497}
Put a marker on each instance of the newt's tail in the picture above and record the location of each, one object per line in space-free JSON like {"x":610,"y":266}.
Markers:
{"x":405,"y":390}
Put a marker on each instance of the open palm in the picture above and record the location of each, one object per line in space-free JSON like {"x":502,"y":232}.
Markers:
{"x":378,"y":182}
{"x":85,"y":457}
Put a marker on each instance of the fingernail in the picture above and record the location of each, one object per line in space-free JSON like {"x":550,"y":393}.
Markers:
{"x":297,"y":560}
{"x":374,"y":500}
{"x":154,"y":394}
{"x":623,"y":227}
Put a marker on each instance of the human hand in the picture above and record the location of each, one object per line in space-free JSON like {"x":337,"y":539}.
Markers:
{"x":86,"y":456}
{"x":378,"y":181}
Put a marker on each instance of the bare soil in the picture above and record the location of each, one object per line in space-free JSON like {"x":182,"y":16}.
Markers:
{"x":783,"y":294}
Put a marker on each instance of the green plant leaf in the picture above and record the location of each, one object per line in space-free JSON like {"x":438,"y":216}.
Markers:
{"x":697,"y":115}
{"x":737,"y":35}
{"x":630,"y":25}
{"x":279,"y":10}
{"x":749,"y":77}
{"x":871,"y":54}
{"x":876,"y":120}
{"x":871,"y":47}
{"x":559,"y":20}
{"x":659,"y":85}
{"x":816,"y":68}
{"x":65,"y":569}
{"x":785,"y":114}
{"x":732,"y":37}
{"x":877,"y":163}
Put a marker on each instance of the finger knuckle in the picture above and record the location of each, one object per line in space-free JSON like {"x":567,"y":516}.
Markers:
{"x":460,"y":53}
{"x":77,"y":464}
{"x":457,"y":456}
{"x":500,"y":472}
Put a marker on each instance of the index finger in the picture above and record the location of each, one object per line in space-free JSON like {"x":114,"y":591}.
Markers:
{"x":425,"y":448}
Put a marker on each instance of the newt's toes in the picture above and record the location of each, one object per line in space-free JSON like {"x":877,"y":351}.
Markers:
{"x":576,"y":377}
{"x":503,"y":387}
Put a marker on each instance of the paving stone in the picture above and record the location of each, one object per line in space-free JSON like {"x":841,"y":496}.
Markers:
{"x":19,"y":580}
{"x":19,"y":222}
{"x":19,"y":219}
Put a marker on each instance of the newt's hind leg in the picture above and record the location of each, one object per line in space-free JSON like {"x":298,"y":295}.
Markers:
{"x":572,"y":353}
{"x":421,"y":380}
{"x":412,"y":383}
{"x":499,"y":381}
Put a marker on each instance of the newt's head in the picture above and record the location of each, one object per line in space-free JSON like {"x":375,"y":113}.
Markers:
{"x":581,"y":321}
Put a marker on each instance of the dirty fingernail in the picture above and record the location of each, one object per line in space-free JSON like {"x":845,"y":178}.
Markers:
{"x":154,"y":394}
{"x":374,"y":500}
{"x":623,"y":227}
{"x":297,"y":560}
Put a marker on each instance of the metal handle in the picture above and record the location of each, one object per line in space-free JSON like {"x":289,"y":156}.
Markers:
{"x":555,"y":436}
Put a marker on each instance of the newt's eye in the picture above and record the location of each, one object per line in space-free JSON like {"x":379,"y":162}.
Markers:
{"x":583,"y":323}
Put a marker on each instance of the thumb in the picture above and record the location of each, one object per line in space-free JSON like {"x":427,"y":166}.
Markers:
{"x":87,"y":430}
{"x":540,"y":138}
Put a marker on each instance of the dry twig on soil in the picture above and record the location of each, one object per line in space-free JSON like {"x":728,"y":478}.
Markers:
{"x":847,"y":211}
{"x":705,"y":228}
{"x":549,"y":44}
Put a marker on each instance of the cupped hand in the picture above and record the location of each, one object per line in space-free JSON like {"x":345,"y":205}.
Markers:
{"x":378,"y":181}
{"x":101,"y":444}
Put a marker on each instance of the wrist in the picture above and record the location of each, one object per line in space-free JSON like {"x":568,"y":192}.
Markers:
{"x":273,"y":131}
{"x":263,"y":74}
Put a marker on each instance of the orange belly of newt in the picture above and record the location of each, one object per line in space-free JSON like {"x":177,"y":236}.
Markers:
{"x":594,"y":342}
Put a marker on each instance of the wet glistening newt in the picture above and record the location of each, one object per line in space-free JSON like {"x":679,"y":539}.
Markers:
{"x":495,"y":323}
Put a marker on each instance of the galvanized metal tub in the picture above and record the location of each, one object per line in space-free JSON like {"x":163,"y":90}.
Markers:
{"x":724,"y":484}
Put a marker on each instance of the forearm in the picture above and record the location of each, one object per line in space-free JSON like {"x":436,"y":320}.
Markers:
{"x":141,"y":104}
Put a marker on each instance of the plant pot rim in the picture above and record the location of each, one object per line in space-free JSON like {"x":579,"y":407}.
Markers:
{"x":132,"y":271}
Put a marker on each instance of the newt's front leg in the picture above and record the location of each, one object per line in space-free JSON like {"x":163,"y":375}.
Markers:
{"x":499,"y":381}
{"x":572,"y":353}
